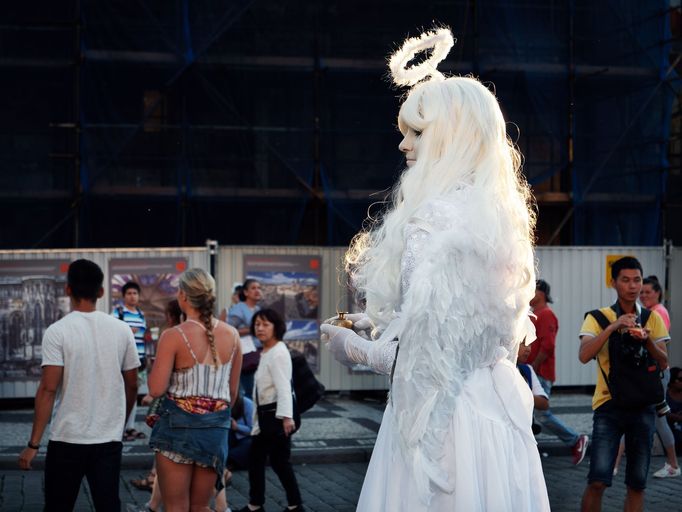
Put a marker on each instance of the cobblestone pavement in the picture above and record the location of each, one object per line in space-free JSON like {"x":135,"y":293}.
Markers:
{"x":336,"y":487}
{"x":330,"y":454}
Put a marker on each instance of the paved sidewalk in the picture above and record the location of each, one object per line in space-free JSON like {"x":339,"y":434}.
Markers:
{"x":330,"y":452}
{"x":336,"y":487}
{"x":337,"y":429}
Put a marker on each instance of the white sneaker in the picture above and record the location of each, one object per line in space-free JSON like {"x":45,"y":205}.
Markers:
{"x":667,"y":471}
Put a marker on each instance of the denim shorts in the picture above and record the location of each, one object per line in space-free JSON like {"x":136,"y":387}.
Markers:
{"x":201,"y":438}
{"x":609,"y":424}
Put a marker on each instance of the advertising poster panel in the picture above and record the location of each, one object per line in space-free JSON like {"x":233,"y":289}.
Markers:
{"x":158,"y":279}
{"x":291,"y":286}
{"x":32,"y":296}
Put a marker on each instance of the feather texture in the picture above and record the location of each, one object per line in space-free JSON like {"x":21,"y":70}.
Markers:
{"x":464,"y":310}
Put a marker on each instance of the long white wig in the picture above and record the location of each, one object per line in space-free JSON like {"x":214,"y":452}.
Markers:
{"x":463,"y":145}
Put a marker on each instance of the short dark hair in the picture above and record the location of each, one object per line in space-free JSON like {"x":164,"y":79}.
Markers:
{"x":655,"y":285}
{"x":128,"y":286}
{"x":544,"y":287}
{"x":173,"y":310}
{"x":85,"y":279}
{"x":245,"y":286}
{"x":626,"y":262}
{"x":274,"y":318}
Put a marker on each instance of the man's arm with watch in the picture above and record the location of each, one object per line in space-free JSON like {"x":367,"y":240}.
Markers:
{"x":47,"y":389}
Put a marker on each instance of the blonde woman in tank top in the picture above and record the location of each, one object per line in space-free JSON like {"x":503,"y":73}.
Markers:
{"x":197,"y":370}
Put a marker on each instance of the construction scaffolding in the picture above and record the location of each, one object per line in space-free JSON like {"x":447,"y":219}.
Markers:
{"x":162,"y":123}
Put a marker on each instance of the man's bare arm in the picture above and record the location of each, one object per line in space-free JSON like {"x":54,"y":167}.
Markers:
{"x":130,"y":382}
{"x":50,"y":381}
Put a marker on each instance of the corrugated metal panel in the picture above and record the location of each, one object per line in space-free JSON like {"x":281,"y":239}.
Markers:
{"x":332,"y":295}
{"x":577,"y":276}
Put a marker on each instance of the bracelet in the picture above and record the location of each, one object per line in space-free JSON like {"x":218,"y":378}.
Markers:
{"x":33,"y":446}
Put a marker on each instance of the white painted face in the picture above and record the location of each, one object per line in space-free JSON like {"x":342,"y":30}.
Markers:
{"x":410,"y":146}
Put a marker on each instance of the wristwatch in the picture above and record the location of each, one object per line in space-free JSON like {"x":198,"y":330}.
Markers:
{"x":33,"y":446}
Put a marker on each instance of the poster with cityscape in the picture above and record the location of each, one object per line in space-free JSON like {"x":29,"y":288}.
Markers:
{"x":291,"y":286}
{"x":32,"y":296}
{"x":158,"y":279}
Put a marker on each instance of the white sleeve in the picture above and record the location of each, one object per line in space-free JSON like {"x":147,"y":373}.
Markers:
{"x":52,"y":348}
{"x":536,"y":387}
{"x":382,"y":356}
{"x":280,"y":370}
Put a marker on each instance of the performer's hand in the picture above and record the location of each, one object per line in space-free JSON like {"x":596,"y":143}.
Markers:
{"x":362,"y":325}
{"x":360,"y":321}
{"x":26,"y":456}
{"x":346,"y":346}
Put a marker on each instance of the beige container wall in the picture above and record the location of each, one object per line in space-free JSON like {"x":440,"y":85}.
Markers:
{"x":229,"y":270}
{"x":196,"y":257}
{"x":577,"y":276}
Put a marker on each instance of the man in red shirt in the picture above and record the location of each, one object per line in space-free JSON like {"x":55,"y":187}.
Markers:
{"x":543,"y":361}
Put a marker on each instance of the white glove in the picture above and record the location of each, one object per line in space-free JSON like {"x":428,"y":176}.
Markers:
{"x":362,"y":325}
{"x":347,"y":347}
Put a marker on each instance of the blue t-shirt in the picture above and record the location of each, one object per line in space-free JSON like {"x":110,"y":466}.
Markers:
{"x":136,"y":321}
{"x":240,"y":315}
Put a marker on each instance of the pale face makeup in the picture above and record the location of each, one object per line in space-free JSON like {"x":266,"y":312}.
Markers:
{"x":410,"y":146}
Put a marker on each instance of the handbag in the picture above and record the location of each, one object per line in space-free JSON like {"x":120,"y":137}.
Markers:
{"x":250,"y":361}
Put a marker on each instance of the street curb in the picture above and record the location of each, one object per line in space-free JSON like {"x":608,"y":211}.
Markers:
{"x":143,"y":460}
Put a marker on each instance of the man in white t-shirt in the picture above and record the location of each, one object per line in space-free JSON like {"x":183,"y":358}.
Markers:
{"x":89,"y":376}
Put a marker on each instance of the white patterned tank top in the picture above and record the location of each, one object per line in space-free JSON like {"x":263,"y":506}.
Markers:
{"x":201,"y":380}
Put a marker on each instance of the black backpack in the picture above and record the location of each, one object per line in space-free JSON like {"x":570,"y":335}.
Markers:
{"x":634,"y":379}
{"x":307,"y":388}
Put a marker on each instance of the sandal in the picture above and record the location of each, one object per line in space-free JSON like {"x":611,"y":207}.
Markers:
{"x":131,"y":434}
{"x":144,"y":484}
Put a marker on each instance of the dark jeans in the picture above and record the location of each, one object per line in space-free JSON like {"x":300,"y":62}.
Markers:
{"x":279,"y":449}
{"x":239,"y":452}
{"x":246,"y":381}
{"x":609,"y":424}
{"x":65,"y":466}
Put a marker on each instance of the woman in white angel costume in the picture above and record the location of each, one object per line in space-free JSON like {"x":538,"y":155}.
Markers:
{"x":447,"y":275}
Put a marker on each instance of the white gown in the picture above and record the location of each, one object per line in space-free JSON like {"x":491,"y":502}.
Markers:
{"x":456,"y":433}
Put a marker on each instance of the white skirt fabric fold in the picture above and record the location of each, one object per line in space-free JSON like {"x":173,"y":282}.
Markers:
{"x":491,"y":461}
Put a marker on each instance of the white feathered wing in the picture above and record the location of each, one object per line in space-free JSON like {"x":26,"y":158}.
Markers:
{"x":464,"y":309}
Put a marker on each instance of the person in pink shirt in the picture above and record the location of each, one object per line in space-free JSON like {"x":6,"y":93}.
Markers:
{"x":650,"y":297}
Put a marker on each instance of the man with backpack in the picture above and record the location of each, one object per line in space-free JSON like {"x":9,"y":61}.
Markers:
{"x":131,"y":314}
{"x":628,"y":343}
